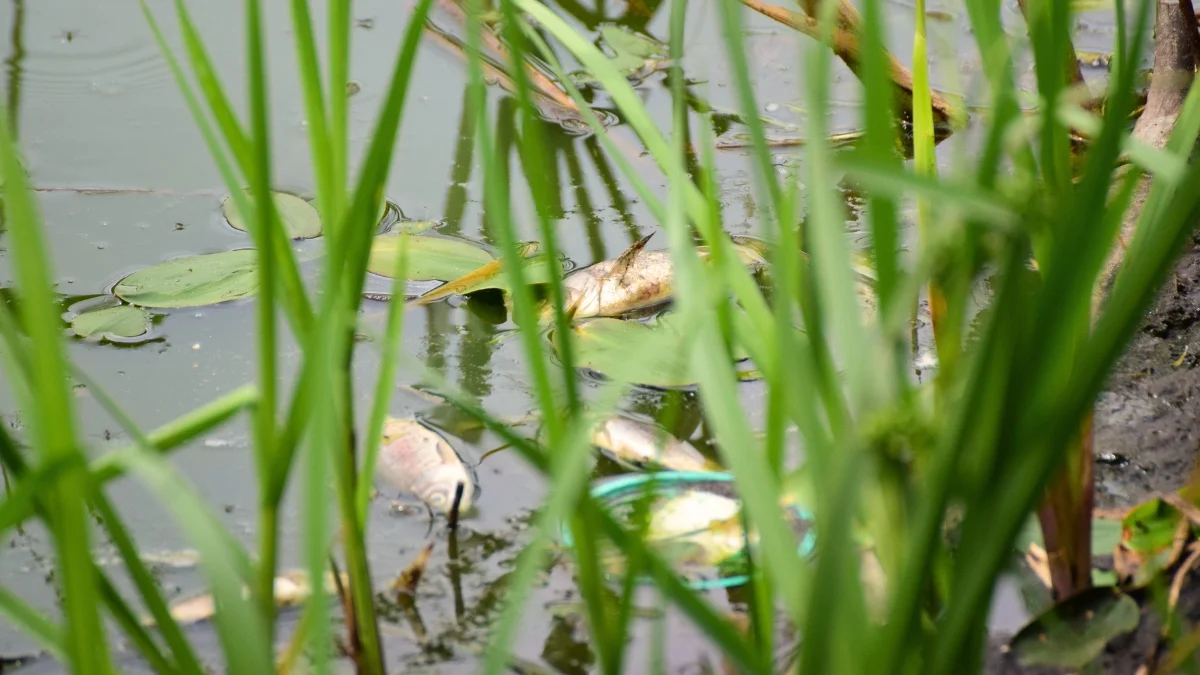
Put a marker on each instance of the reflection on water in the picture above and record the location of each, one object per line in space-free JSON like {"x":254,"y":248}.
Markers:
{"x":13,"y":65}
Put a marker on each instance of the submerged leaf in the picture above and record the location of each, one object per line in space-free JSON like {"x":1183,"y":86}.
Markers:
{"x":192,"y":281}
{"x":300,"y":219}
{"x":1073,"y":633}
{"x":607,"y":345}
{"x":122,"y":321}
{"x":429,"y":258}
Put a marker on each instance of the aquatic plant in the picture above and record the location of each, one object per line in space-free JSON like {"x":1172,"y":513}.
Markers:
{"x":886,"y":456}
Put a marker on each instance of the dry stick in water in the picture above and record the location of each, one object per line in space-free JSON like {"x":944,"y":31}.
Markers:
{"x":846,"y":47}
{"x":541,"y":83}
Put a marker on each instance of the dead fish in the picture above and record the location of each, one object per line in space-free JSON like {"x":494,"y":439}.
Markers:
{"x":292,"y":588}
{"x":645,"y":445}
{"x":636,"y":280}
{"x":698,"y":528}
{"x":418,"y":460}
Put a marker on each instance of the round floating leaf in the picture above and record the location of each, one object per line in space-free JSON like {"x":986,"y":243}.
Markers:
{"x":429,"y":258}
{"x":607,"y":345}
{"x":193,"y":281}
{"x":537,"y":271}
{"x":629,"y":45}
{"x":491,"y":276}
{"x":300,"y":219}
{"x":1074,"y":632}
{"x":121,"y":321}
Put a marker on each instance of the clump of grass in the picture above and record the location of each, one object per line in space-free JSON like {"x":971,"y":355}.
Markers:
{"x":882,"y":457}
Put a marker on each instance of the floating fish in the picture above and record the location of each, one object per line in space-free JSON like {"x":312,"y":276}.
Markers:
{"x":643,"y":446}
{"x":417,"y":460}
{"x":636,"y":280}
{"x":292,"y":588}
{"x":698,"y":528}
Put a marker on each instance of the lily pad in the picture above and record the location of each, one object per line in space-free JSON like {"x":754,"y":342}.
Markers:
{"x":122,"y":321}
{"x":300,"y":219}
{"x":491,"y":276}
{"x":193,"y":281}
{"x":632,"y":52}
{"x":1074,"y":632}
{"x":429,"y":258}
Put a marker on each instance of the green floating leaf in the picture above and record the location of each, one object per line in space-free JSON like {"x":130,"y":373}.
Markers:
{"x":429,"y":258}
{"x":631,"y":49}
{"x":1073,"y":633}
{"x":193,"y":281}
{"x":607,"y":346}
{"x":300,"y":219}
{"x":122,"y":321}
{"x":633,"y":54}
{"x":491,"y":276}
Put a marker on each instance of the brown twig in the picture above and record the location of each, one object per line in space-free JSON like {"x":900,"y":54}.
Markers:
{"x":542,"y":84}
{"x":351,"y":647}
{"x":846,"y":47}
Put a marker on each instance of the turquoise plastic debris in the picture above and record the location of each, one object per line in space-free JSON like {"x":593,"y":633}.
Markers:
{"x":629,"y":487}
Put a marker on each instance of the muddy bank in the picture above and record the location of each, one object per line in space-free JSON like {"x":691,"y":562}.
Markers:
{"x":1148,"y":419}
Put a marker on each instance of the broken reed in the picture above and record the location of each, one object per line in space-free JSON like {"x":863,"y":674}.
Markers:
{"x":882,"y":459}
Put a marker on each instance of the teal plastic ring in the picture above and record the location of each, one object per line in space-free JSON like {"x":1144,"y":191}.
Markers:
{"x":625,"y":482}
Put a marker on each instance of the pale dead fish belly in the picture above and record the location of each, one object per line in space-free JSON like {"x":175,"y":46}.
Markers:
{"x":415,"y":459}
{"x":599,"y":291}
{"x":645,"y":445}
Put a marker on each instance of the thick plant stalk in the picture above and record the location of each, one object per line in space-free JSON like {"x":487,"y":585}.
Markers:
{"x":1066,"y":520}
{"x":1065,"y":515}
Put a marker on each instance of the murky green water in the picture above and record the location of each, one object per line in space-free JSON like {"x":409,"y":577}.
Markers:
{"x":125,"y":182}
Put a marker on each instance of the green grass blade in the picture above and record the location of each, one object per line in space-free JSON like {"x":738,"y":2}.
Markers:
{"x":314,"y":111}
{"x":128,"y":621}
{"x":241,"y":627}
{"x":338,"y":130}
{"x":536,"y":171}
{"x":53,"y":418}
{"x":386,"y":382}
{"x":31,"y":622}
{"x":214,"y":94}
{"x":185,"y":657}
{"x":295,"y":303}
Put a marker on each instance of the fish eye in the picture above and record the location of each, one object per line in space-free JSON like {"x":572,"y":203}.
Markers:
{"x":437,"y":499}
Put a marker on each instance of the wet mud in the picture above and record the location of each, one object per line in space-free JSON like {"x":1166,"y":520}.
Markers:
{"x":1147,"y":438}
{"x":1147,"y":424}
